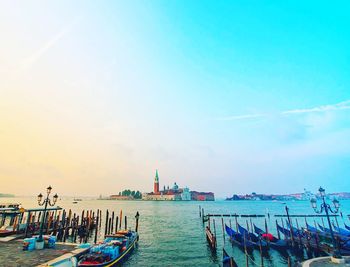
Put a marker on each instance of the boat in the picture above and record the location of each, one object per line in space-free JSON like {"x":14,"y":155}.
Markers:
{"x":227,"y":261}
{"x":241,"y":241}
{"x":347,"y":227}
{"x":211,"y":238}
{"x":74,"y":202}
{"x":113,"y":250}
{"x":343,"y":237}
{"x":341,"y":231}
{"x":255,"y":239}
{"x":273,"y":241}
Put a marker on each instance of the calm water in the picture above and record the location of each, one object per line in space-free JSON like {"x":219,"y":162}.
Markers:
{"x":171,"y":233}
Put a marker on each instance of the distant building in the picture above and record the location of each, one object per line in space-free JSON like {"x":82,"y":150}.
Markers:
{"x":120,"y":197}
{"x":307,"y":195}
{"x":175,"y":193}
{"x":186,"y":194}
{"x":202,"y":196}
{"x":156,"y":183}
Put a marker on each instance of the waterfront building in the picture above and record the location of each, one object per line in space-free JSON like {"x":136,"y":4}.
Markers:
{"x":156,"y":183}
{"x":175,"y":193}
{"x":186,"y":194}
{"x":307,"y":195}
{"x":202,"y":196}
{"x":120,"y":197}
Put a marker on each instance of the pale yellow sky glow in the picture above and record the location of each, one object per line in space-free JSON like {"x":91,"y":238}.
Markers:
{"x":97,"y":95}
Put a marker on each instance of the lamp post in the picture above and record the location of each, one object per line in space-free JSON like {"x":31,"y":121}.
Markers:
{"x":44,"y":203}
{"x":327,"y":208}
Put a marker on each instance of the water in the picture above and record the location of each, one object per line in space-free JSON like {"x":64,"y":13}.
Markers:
{"x":171,"y":233}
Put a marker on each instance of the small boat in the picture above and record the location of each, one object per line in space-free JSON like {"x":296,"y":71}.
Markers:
{"x":227,"y":261}
{"x":241,"y":241}
{"x":211,"y":238}
{"x":273,"y":241}
{"x":74,"y":202}
{"x":113,"y":250}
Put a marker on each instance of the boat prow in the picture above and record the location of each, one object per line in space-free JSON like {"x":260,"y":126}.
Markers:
{"x":113,"y":250}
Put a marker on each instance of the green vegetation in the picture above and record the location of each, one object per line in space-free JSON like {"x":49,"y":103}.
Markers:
{"x":6,"y":195}
{"x":128,"y":193}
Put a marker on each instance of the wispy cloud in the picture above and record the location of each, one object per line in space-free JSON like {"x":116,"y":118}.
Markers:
{"x":338,"y":106}
{"x":242,"y":117}
{"x":34,"y":57}
{"x":331,"y":107}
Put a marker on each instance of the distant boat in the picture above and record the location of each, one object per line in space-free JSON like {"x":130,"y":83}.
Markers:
{"x":74,"y":202}
{"x":77,"y":199}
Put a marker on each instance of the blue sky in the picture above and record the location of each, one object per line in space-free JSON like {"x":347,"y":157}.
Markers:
{"x":223,"y":96}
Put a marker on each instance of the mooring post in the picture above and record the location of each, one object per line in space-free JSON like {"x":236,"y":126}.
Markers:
{"x":290,"y":226}
{"x":76,"y":229}
{"x":100,"y":216}
{"x":82,"y":217}
{"x":137,"y":221}
{"x":200,"y":213}
{"x":116,"y":223}
{"x":126,"y":222}
{"x":109,"y":225}
{"x":96,"y":228}
{"x":121,"y":219}
{"x":223,"y":230}
{"x":289,"y":263}
{"x":27,"y":225}
{"x":214,"y":232}
{"x":245,"y":251}
{"x":106,"y":223}
{"x":112,"y":224}
{"x":261,"y":254}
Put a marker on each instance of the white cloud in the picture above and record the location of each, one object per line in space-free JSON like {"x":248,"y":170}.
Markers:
{"x":331,"y":107}
{"x":242,"y":117}
{"x":30,"y":60}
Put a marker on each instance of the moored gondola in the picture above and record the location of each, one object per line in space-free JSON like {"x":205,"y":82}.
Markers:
{"x":273,"y":241}
{"x":241,"y":241}
{"x":227,"y":261}
{"x":255,"y":239}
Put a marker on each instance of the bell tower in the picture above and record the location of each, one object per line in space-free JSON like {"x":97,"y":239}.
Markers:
{"x":156,"y":183}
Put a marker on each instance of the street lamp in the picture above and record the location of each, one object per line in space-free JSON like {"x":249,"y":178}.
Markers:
{"x":44,"y":203}
{"x":326,"y":207}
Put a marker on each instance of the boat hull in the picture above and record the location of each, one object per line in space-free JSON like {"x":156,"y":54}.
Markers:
{"x":117,"y":260}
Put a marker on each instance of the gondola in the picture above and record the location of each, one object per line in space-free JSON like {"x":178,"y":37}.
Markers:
{"x":241,"y":241}
{"x":227,"y":261}
{"x":341,"y":231}
{"x":347,"y":227}
{"x":255,"y":239}
{"x":112,"y":251}
{"x":273,"y":241}
{"x":336,"y":233}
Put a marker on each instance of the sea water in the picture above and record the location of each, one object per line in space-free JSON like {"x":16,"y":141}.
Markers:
{"x":172,"y":234}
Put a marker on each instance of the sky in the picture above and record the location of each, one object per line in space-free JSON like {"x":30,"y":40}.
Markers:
{"x":224,"y":96}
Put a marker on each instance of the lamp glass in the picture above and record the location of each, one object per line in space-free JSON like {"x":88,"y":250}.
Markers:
{"x":49,"y":189}
{"x":336,"y":203}
{"x":322,"y":191}
{"x":40,"y":196}
{"x":313,"y":203}
{"x":55,"y":197}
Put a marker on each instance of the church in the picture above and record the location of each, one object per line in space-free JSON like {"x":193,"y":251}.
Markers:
{"x":175,"y":193}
